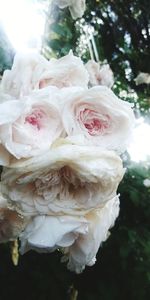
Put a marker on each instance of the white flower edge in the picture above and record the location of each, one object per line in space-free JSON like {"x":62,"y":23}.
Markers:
{"x":83,"y":252}
{"x":76,"y":8}
{"x":47,"y":233}
{"x":78,"y":237}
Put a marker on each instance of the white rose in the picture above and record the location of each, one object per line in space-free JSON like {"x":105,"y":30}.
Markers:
{"x":29,"y":127}
{"x":77,"y":8}
{"x":65,"y":72}
{"x":22,"y":78}
{"x":78,"y":237}
{"x":32,"y":71}
{"x":98,"y":117}
{"x":99,"y":75}
{"x":68,"y":179}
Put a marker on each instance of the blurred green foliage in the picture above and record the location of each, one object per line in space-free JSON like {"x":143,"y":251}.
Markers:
{"x":121,"y":30}
{"x":122,"y":270}
{"x":60,"y":34}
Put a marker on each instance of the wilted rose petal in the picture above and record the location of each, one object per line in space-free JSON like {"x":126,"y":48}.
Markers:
{"x":11,"y":223}
{"x":68,"y":179}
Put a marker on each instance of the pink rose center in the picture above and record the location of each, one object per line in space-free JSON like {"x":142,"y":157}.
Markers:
{"x":43,"y":83}
{"x":95,"y":124}
{"x":35,"y":118}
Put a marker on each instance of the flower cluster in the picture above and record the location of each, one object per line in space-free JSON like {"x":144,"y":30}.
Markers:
{"x":60,"y":142}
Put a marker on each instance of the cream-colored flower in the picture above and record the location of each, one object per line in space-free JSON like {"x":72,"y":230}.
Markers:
{"x":78,"y":237}
{"x":99,"y":75}
{"x":68,"y":179}
{"x":32,"y":71}
{"x":22,"y":78}
{"x":97,"y":117}
{"x":77,"y":8}
{"x":65,"y":72}
{"x":142,"y":78}
{"x":29,"y":127}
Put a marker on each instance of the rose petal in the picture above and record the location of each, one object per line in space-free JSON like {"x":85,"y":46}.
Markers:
{"x":51,"y":232}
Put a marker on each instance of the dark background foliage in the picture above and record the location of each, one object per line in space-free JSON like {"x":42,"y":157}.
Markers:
{"x":122,"y":270}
